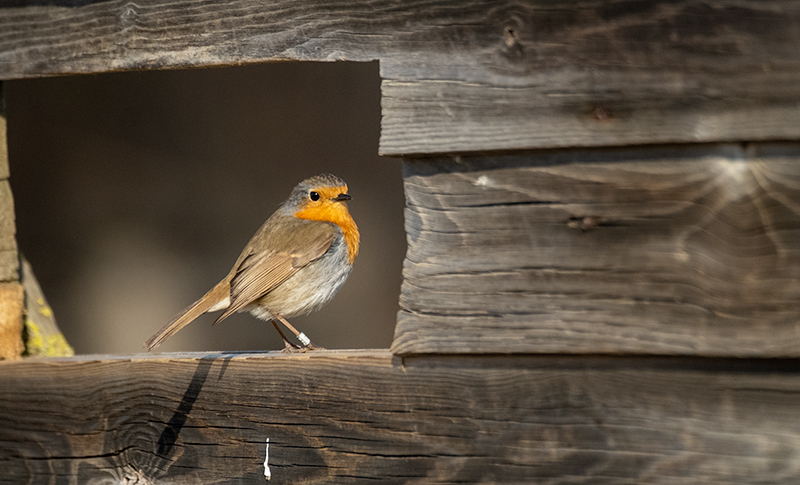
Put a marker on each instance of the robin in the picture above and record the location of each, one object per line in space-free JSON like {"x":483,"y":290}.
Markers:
{"x":293,"y":265}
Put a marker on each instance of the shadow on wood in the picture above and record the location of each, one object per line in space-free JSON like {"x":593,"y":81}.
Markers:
{"x":170,"y":434}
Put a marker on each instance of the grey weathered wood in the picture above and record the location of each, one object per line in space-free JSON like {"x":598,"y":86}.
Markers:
{"x":576,"y":108}
{"x":672,"y":250}
{"x":468,"y":76}
{"x":9,"y":262}
{"x":563,"y":74}
{"x":354,"y":417}
{"x":3,"y":138}
{"x":43,"y":338}
{"x":11,"y":345}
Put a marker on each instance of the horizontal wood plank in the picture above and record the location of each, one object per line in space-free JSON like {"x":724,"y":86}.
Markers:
{"x":575,"y":109}
{"x":544,"y":74}
{"x":354,"y":417}
{"x":672,"y":250}
{"x":467,"y":76}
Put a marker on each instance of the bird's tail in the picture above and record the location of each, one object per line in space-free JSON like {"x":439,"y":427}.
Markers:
{"x":213,"y":300}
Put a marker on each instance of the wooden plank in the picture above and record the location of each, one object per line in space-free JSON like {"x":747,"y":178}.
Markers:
{"x":3,"y":139}
{"x":9,"y":259}
{"x":11,"y":344}
{"x":574,"y":109}
{"x":353,"y":417}
{"x":672,"y":250}
{"x":542,"y":74}
{"x":11,"y":306}
{"x":43,"y":338}
{"x":9,"y":262}
{"x":84,"y":36}
{"x":468,"y":76}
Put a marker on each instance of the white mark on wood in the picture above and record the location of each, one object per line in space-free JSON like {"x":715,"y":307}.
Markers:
{"x":482,"y":181}
{"x":738,"y":181}
{"x":129,"y":476}
{"x":681,"y":255}
{"x":736,"y":169}
{"x":267,"y":473}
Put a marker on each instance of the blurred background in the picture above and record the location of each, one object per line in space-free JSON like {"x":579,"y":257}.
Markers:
{"x":135,"y":193}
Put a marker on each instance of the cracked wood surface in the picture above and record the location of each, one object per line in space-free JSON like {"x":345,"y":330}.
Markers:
{"x":358,"y":416}
{"x":472,"y":75}
{"x":676,"y":250}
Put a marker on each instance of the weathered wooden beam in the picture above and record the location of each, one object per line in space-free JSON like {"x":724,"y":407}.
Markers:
{"x":354,"y":417}
{"x":467,"y":76}
{"x":675,"y":250}
{"x":540,"y":74}
{"x":11,"y":299}
{"x":9,"y":263}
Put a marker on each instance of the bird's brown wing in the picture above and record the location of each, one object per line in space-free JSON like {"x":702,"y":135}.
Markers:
{"x":261,"y":272}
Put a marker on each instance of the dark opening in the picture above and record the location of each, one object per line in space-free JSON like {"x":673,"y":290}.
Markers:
{"x":135,"y":193}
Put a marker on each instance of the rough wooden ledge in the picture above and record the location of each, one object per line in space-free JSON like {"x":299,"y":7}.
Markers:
{"x":357,"y":416}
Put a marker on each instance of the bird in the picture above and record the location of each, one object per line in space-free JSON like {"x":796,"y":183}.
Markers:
{"x":294,"y":264}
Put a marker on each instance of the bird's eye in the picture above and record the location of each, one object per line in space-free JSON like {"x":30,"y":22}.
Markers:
{"x":313,"y":196}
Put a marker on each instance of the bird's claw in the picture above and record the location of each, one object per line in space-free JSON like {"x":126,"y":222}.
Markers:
{"x":290,"y":348}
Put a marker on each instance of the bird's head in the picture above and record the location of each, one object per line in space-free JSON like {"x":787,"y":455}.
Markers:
{"x":323,"y":198}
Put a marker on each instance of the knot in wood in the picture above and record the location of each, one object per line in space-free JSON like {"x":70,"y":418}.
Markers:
{"x":584,"y":223}
{"x":513,"y":47}
{"x":601,"y":114}
{"x":129,"y":15}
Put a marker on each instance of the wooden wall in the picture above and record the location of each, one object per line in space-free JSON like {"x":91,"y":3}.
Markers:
{"x":603,"y":268}
{"x":669,"y":250}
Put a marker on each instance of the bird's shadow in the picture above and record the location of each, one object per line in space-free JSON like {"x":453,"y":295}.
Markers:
{"x":172,"y":431}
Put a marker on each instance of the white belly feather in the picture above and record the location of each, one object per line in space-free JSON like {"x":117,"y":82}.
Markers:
{"x":310,"y":288}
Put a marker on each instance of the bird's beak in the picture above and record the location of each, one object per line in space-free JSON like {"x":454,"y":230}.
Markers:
{"x":342,"y":197}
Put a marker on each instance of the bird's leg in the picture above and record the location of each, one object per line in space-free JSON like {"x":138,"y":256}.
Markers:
{"x":300,"y":335}
{"x":287,"y":346}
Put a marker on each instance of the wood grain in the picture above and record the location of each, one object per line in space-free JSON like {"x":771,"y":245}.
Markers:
{"x":469,"y":75}
{"x":576,"y":109}
{"x":11,"y":344}
{"x":671,"y":250}
{"x":43,"y":338}
{"x":9,"y":261}
{"x":11,"y":306}
{"x":568,"y":74}
{"x":354,"y":417}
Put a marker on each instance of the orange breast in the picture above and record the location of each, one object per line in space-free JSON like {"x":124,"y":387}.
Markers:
{"x":337,"y":213}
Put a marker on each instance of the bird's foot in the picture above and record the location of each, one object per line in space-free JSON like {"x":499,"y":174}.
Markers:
{"x":290,"y":348}
{"x":311,"y":346}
